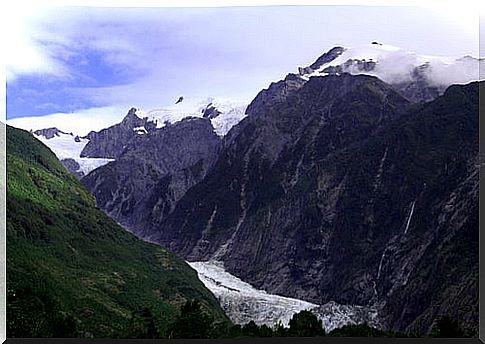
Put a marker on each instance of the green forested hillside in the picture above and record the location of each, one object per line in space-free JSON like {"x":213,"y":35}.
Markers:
{"x":71,"y":270}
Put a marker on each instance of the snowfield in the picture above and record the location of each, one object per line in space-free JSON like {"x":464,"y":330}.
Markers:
{"x":64,"y":146}
{"x":232,"y":112}
{"x":243,"y":303}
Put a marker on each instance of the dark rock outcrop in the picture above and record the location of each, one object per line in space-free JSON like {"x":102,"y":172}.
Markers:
{"x":49,"y":133}
{"x":111,"y":142}
{"x":329,"y":56}
{"x":210,"y":111}
{"x":73,"y":167}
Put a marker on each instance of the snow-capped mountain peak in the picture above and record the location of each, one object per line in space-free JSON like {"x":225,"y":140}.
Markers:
{"x":395,"y":65}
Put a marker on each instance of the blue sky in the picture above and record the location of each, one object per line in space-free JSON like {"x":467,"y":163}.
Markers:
{"x":78,"y":59}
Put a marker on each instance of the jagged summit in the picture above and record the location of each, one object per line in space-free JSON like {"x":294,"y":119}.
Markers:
{"x":50,"y":133}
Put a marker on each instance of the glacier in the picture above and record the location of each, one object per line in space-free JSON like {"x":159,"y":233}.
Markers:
{"x":69,"y":146}
{"x":242,"y":302}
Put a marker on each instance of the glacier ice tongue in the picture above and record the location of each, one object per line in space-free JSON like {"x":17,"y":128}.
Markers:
{"x":243,"y":303}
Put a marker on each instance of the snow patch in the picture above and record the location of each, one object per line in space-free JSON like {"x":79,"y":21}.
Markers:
{"x":242,"y":302}
{"x":89,"y":164}
{"x":140,"y":130}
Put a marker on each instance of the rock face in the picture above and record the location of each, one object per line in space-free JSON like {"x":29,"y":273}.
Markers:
{"x":110,"y":142}
{"x":49,"y":133}
{"x":419,"y":89}
{"x":289,"y":127}
{"x":324,"y":171}
{"x":141,"y":187}
{"x":210,"y":111}
{"x":73,"y":167}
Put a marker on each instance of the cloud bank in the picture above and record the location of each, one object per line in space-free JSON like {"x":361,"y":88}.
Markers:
{"x":79,"y":123}
{"x":65,"y":60}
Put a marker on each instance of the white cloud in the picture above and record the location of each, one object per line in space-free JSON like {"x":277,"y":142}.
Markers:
{"x":79,"y":123}
{"x":24,"y":54}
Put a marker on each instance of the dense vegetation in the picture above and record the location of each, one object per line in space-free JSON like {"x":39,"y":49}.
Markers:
{"x":74,"y":272}
{"x":194,"y":322}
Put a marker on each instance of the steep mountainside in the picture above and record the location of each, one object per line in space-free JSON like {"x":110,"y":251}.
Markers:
{"x":289,"y":126}
{"x":141,"y":187}
{"x":339,"y":167}
{"x":71,"y":270}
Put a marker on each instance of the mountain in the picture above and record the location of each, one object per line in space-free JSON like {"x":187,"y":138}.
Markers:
{"x":289,"y":127}
{"x":71,"y":270}
{"x":419,"y":78}
{"x":338,"y":167}
{"x":152,"y":173}
{"x":112,"y":141}
{"x":369,"y":153}
{"x":82,"y":154}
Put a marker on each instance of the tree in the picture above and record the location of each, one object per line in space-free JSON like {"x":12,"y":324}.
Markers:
{"x":305,"y":324}
{"x":143,"y":325}
{"x":251,"y":329}
{"x":192,"y":322}
{"x":265,"y":331}
{"x":279,"y":330}
{"x":360,"y":330}
{"x":446,"y":327}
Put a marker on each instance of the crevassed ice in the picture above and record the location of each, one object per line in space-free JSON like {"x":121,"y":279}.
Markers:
{"x":243,"y":303}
